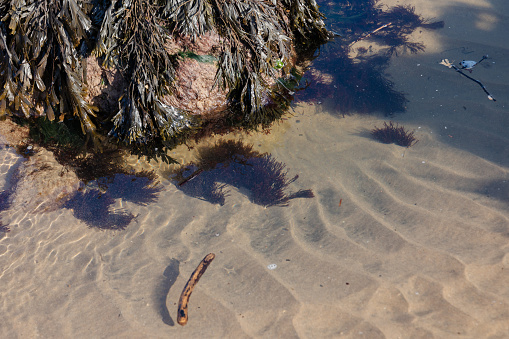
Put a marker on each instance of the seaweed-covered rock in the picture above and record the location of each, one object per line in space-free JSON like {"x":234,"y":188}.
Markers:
{"x":160,"y":64}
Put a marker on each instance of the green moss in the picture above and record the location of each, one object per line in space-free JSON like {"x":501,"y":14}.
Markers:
{"x":210,"y":59}
{"x":65,"y":134}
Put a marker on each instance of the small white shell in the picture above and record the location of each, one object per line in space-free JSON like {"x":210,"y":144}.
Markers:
{"x":272,"y":266}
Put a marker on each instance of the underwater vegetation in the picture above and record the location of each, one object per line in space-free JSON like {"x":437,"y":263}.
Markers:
{"x":352,"y":75}
{"x":394,"y":134}
{"x":56,"y":134}
{"x":232,"y":163}
{"x":95,"y":205}
{"x":44,"y":46}
{"x":357,"y":20}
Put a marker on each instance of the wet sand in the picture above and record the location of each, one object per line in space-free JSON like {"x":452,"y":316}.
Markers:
{"x":418,"y":247}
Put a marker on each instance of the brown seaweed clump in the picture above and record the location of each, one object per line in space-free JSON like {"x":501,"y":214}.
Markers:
{"x":231,"y":163}
{"x":394,"y":134}
{"x":47,"y":50}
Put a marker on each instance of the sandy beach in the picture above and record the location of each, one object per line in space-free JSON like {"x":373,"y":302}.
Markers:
{"x":396,"y":243}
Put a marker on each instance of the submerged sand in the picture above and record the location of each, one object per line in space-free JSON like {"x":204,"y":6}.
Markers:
{"x":418,"y":247}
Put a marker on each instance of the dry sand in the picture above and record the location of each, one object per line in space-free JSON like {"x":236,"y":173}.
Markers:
{"x":418,"y":248}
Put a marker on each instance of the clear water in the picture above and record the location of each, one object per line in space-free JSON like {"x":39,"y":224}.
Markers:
{"x":396,"y":242}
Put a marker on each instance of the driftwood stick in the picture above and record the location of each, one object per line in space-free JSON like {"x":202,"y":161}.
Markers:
{"x":192,"y":176}
{"x":367,"y":35}
{"x":188,"y":289}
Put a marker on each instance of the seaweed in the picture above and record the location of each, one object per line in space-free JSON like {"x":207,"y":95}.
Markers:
{"x":250,"y":49}
{"x":231,"y":163}
{"x":256,"y":44}
{"x":394,"y":134}
{"x":134,"y":41}
{"x":59,"y":134}
{"x":42,"y":44}
{"x":307,"y":24}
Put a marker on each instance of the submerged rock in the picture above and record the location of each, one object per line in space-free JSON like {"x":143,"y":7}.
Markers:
{"x":42,"y":184}
{"x":33,"y":180}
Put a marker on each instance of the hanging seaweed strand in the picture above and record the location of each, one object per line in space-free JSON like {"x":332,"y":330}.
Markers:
{"x":132,"y":38}
{"x":41,"y":49}
{"x":307,"y":23}
{"x":256,"y":37}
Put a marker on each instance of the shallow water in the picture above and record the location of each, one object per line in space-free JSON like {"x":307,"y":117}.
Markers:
{"x":397,"y":242}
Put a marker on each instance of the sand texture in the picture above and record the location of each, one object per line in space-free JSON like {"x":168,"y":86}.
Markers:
{"x":396,"y":243}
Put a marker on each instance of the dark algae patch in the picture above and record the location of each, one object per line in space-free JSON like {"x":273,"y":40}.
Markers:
{"x":232,"y":163}
{"x":394,"y":134}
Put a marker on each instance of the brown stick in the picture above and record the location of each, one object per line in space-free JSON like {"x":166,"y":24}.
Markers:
{"x":367,"y":35}
{"x":193,"y":280}
{"x":192,"y":176}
